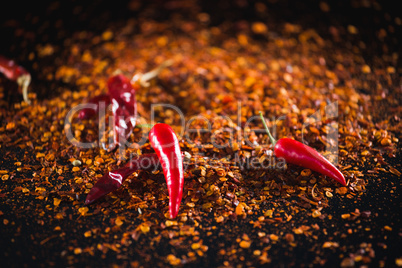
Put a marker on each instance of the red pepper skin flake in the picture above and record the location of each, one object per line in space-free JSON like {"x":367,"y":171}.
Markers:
{"x":166,"y":145}
{"x":112,"y":180}
{"x":297,"y":153}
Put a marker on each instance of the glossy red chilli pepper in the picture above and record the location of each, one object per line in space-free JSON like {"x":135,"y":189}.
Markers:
{"x":297,"y":153}
{"x":166,"y":145}
{"x":112,"y":180}
{"x":16,"y":73}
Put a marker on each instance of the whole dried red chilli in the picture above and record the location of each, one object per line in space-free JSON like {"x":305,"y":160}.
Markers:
{"x":16,"y":73}
{"x":124,"y":106}
{"x":166,"y":145}
{"x":121,"y":95}
{"x":112,"y":180}
{"x":138,"y":81}
{"x":297,"y":153}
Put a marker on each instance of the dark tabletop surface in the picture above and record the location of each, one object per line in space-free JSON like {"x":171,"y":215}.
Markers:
{"x":35,"y":241}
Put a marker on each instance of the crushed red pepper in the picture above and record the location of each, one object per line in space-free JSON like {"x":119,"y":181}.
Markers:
{"x":231,"y":213}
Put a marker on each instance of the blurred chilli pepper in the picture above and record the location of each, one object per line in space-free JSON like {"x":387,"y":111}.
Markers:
{"x":166,"y":145}
{"x":16,"y":73}
{"x":88,"y":112}
{"x":124,"y":106}
{"x":121,"y":94}
{"x":297,"y":153}
{"x":112,"y":180}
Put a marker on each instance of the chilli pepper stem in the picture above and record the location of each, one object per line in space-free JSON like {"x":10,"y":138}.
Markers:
{"x":273,"y":141}
{"x":143,"y":79}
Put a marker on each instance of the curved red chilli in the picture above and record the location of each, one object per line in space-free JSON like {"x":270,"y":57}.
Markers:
{"x":112,"y":180}
{"x":297,"y":153}
{"x":166,"y":145}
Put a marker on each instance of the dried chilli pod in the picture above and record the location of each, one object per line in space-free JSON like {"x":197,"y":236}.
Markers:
{"x":297,"y":153}
{"x":121,"y":94}
{"x":112,"y":180}
{"x":124,"y":106}
{"x":88,"y":112}
{"x":16,"y":73}
{"x":166,"y":145}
